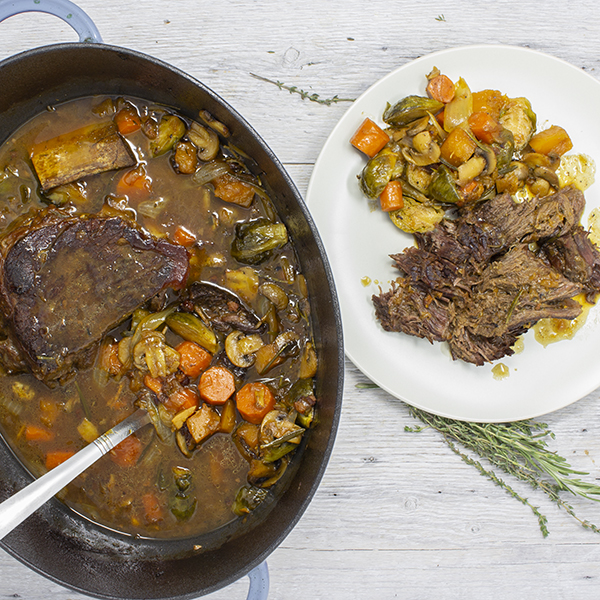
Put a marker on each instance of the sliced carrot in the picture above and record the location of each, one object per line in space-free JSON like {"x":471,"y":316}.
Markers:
{"x":128,"y":119}
{"x":56,"y":457}
{"x":230,"y":189}
{"x":135,"y":183}
{"x":254,"y":401}
{"x":391,"y":197}
{"x":35,"y":433}
{"x":193,"y":359}
{"x":441,"y":88}
{"x":182,"y":398}
{"x":127,"y":453}
{"x":369,"y":138}
{"x":484,"y":127}
{"x":184,"y":237}
{"x":153,"y":383}
{"x":153,"y":511}
{"x":216,"y":385}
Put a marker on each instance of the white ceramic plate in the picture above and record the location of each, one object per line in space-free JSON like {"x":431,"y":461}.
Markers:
{"x":360,"y":240}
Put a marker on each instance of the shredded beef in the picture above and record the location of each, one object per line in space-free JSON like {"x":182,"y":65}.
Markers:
{"x":481,"y":280}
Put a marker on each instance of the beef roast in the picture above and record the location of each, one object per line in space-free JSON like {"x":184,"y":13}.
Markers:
{"x":65,"y":281}
{"x":475,"y":282}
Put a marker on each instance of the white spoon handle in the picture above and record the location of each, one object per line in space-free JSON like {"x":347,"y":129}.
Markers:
{"x":18,"y":507}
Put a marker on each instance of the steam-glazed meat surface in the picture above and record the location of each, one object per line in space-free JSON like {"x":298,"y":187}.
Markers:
{"x":476,"y":283}
{"x":65,"y":281}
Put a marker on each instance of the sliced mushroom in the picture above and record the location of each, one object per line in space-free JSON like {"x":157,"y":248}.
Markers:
{"x":550,"y":176}
{"x":241,"y":348}
{"x":425,"y":150}
{"x":205,"y":140}
{"x":275,"y":294}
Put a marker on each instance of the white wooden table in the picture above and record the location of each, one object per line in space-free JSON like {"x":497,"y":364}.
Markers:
{"x":398,"y":515}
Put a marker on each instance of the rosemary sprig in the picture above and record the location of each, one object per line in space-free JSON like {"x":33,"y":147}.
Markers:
{"x":520,"y":449}
{"x":292,"y":89}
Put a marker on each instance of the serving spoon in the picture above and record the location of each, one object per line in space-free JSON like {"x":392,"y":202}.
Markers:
{"x":18,"y":507}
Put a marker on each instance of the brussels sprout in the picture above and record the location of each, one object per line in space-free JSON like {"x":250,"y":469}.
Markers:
{"x":247,"y":499}
{"x":378,"y":171}
{"x":182,"y":506}
{"x":410,"y":109}
{"x":255,"y":240}
{"x":170,"y":130}
{"x":442,"y":187}
{"x":520,"y":120}
{"x":417,"y":217}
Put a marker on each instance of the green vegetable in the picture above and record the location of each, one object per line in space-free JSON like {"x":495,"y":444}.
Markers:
{"x":410,"y":109}
{"x":247,"y":499}
{"x":254,"y":241}
{"x":170,"y":130}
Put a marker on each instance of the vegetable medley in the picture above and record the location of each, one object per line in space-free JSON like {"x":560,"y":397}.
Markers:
{"x":454,"y":147}
{"x":225,"y":366}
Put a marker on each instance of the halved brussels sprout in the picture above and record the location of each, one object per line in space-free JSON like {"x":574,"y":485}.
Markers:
{"x":410,"y":109}
{"x":417,"y":217}
{"x":170,"y":130}
{"x":192,"y":329}
{"x":443,"y":188}
{"x":255,"y":240}
{"x":378,"y":172}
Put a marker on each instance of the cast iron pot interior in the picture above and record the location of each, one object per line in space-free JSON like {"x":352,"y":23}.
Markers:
{"x":61,"y":544}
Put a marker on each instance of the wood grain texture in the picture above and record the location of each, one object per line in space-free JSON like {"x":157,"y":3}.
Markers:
{"x":398,"y":515}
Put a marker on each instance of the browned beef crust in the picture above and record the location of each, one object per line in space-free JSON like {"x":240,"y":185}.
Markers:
{"x":65,"y":281}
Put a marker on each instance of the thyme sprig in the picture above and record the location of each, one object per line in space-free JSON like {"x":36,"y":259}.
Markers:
{"x":521,"y":450}
{"x":292,"y":89}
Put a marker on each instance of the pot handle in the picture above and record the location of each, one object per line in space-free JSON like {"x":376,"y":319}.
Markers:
{"x":259,"y":582}
{"x":70,"y":13}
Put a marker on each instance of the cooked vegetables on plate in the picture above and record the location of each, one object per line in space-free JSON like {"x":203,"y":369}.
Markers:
{"x":496,"y":221}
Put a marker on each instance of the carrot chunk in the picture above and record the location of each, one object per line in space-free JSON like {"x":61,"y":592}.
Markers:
{"x":184,"y":237}
{"x":441,"y":88}
{"x":254,"y":401}
{"x":127,"y":119}
{"x":484,"y":127}
{"x":153,"y":511}
{"x":135,"y":183}
{"x":127,"y":453}
{"x":153,"y":383}
{"x":391,"y":197}
{"x":181,"y":399}
{"x":216,"y":385}
{"x":193,"y":359}
{"x":56,"y":457}
{"x":35,"y":433}
{"x":369,"y":138}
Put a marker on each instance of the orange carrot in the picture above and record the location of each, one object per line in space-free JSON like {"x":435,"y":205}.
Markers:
{"x":216,"y":385}
{"x":127,"y":119}
{"x":193,"y":359}
{"x":441,"y":88}
{"x":153,"y":511}
{"x":56,"y":457}
{"x":254,"y":401}
{"x":391,"y":197}
{"x":484,"y":127}
{"x":135,"y":183}
{"x":181,"y":399}
{"x":184,"y":237}
{"x":369,"y":138}
{"x":127,"y":453}
{"x":35,"y":433}
{"x":153,"y":383}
